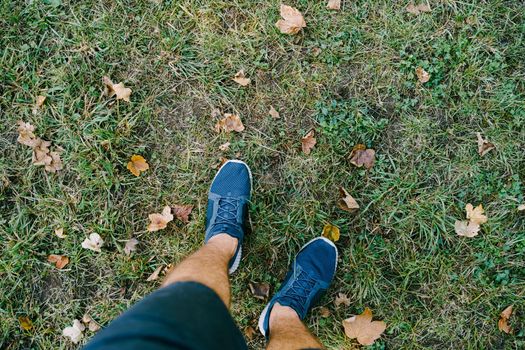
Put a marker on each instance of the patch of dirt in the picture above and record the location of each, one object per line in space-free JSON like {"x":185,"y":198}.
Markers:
{"x":51,"y":289}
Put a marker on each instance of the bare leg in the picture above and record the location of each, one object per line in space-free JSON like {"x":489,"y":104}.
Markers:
{"x":208,"y":265}
{"x":288,"y":332}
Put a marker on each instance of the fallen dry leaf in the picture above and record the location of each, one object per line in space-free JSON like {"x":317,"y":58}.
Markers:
{"x":74,"y":333}
{"x":94,"y":242}
{"x":122,"y":92}
{"x":55,"y":164}
{"x":476,"y":214}
{"x":361,"y":156}
{"x":466,"y":228}
{"x":41,"y":152}
{"x":155,"y":275}
{"x":422,"y":75}
{"x":230,"y":122}
{"x":160,"y":221}
{"x":362,"y":328}
{"x":38,"y":103}
{"x":292,"y":21}
{"x":59,"y":260}
{"x":504,"y":318}
{"x":25,"y":134}
{"x":273,"y":113}
{"x":92,"y":325}
{"x":341,"y":299}
{"x":308,"y":142}
{"x":224,"y":147}
{"x":334,"y":5}
{"x":260,"y":290}
{"x":521,"y":207}
{"x":130,"y":246}
{"x":324,"y":312}
{"x":240,"y":79}
{"x":249,"y":332}
{"x":346,"y":201}
{"x":331,"y":232}
{"x":220,"y":163}
{"x":484,"y":146}
{"x":59,"y":232}
{"x":25,"y":323}
{"x":137,"y":164}
{"x":417,"y":9}
{"x":182,"y":212}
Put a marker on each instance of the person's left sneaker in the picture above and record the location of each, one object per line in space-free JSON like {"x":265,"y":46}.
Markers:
{"x":307,"y":280}
{"x":227,"y":210}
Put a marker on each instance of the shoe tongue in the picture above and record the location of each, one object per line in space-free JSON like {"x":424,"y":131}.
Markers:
{"x":232,"y":230}
{"x":227,"y":209}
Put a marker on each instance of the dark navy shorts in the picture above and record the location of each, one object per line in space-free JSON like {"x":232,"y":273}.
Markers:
{"x":184,"y":315}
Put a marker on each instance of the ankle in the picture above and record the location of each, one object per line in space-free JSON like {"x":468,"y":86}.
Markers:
{"x":224,"y":243}
{"x":282,"y":315}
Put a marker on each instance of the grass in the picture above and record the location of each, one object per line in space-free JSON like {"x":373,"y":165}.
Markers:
{"x":399,"y":254}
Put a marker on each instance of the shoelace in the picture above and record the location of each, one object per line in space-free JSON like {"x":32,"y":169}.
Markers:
{"x":300,"y":289}
{"x":227,"y":210}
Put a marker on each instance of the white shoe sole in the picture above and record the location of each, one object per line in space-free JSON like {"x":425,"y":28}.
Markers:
{"x":260,"y":324}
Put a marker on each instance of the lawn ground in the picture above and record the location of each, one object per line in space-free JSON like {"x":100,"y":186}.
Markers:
{"x":350,"y":75}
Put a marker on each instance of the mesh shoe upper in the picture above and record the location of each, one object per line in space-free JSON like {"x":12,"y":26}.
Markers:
{"x":308,"y":278}
{"x":228,"y":198}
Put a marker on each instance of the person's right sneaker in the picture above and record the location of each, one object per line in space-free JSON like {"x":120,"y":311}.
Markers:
{"x":307,"y":280}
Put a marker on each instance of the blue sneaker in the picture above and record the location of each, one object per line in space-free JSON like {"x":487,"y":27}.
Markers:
{"x":227,"y":210}
{"x":309,"y":277}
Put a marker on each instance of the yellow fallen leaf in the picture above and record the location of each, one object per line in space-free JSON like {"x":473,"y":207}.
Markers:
{"x":504,"y":318}
{"x":230,"y":122}
{"x":308,"y":142}
{"x":466,"y":228}
{"x":292,"y":21}
{"x":484,"y":146}
{"x":422,"y":75}
{"x":122,"y":92}
{"x":25,"y":323}
{"x":137,"y":164}
{"x":331,"y":232}
{"x":334,"y":4}
{"x":60,"y":261}
{"x":362,"y":328}
{"x":240,"y":79}
{"x":160,"y":221}
{"x":476,"y":214}
{"x":346,"y":201}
